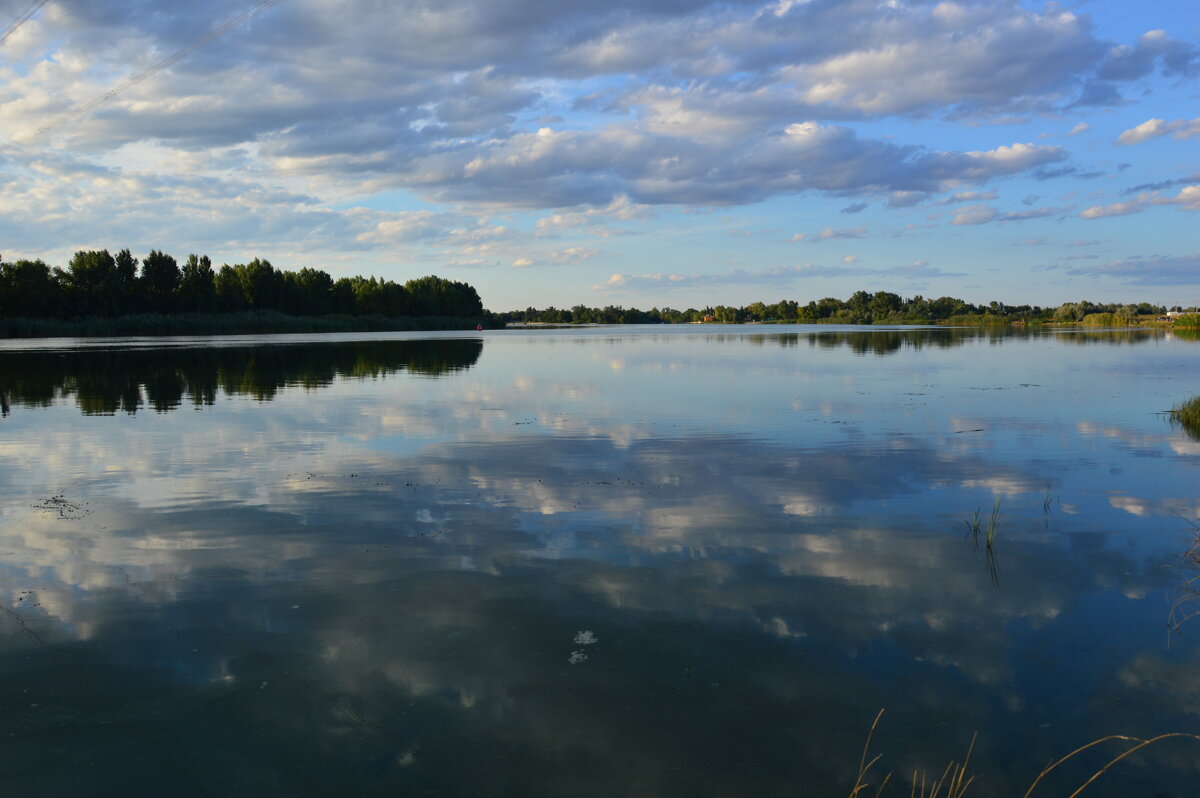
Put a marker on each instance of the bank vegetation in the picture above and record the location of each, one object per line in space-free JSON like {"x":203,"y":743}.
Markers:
{"x":862,"y":307}
{"x":100,"y":293}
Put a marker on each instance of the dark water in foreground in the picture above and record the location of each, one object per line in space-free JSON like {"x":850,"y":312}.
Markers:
{"x":622,"y":561}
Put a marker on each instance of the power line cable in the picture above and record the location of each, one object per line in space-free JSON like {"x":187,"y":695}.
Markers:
{"x":145,"y":74}
{"x":21,"y":19}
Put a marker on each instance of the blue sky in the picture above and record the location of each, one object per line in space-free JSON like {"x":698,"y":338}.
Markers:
{"x":649,"y":153}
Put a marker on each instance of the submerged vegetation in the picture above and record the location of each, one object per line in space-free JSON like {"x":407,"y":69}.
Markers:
{"x":862,"y":307}
{"x":104,"y":294}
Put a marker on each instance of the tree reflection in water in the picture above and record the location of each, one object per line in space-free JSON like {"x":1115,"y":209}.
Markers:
{"x":105,"y":381}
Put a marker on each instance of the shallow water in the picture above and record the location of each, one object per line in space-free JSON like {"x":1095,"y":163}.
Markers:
{"x":648,"y":561}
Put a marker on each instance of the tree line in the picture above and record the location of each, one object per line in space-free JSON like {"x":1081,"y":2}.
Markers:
{"x":99,"y":283}
{"x":862,"y":307}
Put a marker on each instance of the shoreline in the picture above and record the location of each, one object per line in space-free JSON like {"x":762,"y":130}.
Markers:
{"x":244,"y":323}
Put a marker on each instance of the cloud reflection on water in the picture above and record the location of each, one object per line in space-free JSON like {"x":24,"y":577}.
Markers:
{"x":413,"y":597}
{"x":320,"y":609}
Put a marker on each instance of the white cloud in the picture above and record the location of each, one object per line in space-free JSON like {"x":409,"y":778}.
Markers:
{"x":968,"y":196}
{"x":594,"y":116}
{"x":1032,"y":213}
{"x":1183,"y":270}
{"x":974,"y":214}
{"x":595,"y":221}
{"x":1116,"y":209}
{"x":572,"y":255}
{"x":553,"y":168}
{"x":1188,"y":199}
{"x":1153,"y":128}
{"x":829,"y":233}
{"x":779,"y":275}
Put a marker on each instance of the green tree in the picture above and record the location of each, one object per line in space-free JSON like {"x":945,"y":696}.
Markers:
{"x":160,"y":279}
{"x":197,"y":285}
{"x":126,"y":293}
{"x":260,"y":284}
{"x":28,"y":289}
{"x":883,"y":305}
{"x":227,"y":285}
{"x":91,"y":282}
{"x":309,"y":292}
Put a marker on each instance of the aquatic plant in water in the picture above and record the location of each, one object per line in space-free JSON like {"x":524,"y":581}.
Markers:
{"x":975,"y":526}
{"x":993,"y":522}
{"x":954,"y":781}
{"x":1187,"y":417}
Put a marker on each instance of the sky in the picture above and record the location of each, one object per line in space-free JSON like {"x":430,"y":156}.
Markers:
{"x":646,"y":153}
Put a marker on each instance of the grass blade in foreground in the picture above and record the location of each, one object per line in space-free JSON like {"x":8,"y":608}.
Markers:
{"x":954,"y":780}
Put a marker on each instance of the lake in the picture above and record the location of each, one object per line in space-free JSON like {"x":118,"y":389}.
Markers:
{"x":634,"y":561}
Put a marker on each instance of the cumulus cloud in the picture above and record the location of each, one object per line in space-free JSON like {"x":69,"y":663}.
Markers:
{"x":1115,"y":209}
{"x":982,"y":214}
{"x":596,"y":221}
{"x":1153,"y":128}
{"x":1188,"y":199}
{"x":1153,"y":48}
{"x":432,"y":101}
{"x":567,"y":167}
{"x":57,"y":197}
{"x":974,"y":214}
{"x":593,"y":116}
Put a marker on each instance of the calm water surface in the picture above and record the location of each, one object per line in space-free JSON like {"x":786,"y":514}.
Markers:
{"x":611,"y":561}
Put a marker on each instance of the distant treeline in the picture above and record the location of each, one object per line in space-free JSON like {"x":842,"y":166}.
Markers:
{"x":97,"y":283}
{"x":881,"y":307}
